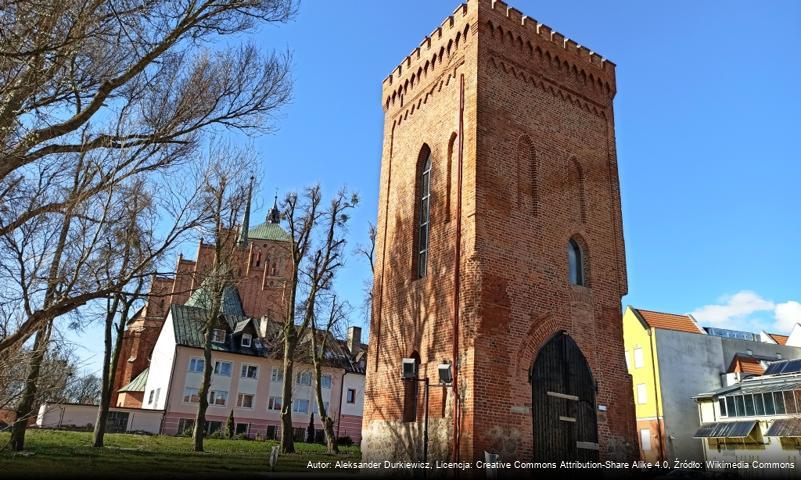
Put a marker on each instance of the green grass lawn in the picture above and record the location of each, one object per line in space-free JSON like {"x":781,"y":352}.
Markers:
{"x":51,"y":453}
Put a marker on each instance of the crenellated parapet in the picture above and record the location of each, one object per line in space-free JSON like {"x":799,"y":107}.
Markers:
{"x":433,"y":57}
{"x":518,"y":38}
{"x":513,"y":35}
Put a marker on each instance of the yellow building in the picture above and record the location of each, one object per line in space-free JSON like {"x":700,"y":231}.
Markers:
{"x":639,"y":334}
{"x":670,"y":359}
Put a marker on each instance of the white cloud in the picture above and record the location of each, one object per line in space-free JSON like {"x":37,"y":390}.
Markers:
{"x":787,"y":315}
{"x":732,"y":309}
{"x":747,"y":310}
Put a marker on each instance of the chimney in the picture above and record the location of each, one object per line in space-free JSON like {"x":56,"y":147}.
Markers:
{"x":354,"y":340}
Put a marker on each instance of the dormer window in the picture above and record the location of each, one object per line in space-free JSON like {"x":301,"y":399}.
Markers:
{"x":218,"y":336}
{"x":246,"y":340}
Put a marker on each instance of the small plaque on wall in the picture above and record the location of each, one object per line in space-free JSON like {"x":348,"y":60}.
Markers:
{"x":601,"y":407}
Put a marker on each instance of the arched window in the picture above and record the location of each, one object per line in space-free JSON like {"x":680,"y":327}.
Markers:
{"x":575,"y":263}
{"x":424,"y":210}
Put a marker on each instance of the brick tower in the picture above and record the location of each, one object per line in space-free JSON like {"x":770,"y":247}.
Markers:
{"x":264,"y":269}
{"x":499,"y":249}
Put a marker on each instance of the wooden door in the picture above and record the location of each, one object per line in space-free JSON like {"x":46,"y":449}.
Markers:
{"x":563,"y":403}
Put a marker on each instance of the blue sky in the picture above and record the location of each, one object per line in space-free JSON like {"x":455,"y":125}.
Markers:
{"x":707,"y":136}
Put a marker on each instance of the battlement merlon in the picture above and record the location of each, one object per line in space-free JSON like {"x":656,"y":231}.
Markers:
{"x":503,"y":15}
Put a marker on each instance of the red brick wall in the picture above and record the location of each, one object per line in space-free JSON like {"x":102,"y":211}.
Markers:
{"x":539,"y":168}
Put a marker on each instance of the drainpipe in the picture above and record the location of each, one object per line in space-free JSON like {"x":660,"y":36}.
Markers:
{"x":659,"y":425}
{"x":456,"y":270}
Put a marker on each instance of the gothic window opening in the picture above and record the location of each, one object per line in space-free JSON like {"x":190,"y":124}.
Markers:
{"x":257,"y":259}
{"x":575,"y":262}
{"x":424,"y":212}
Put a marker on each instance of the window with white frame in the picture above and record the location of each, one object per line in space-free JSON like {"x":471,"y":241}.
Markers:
{"x":223,"y":368}
{"x":218,"y":397}
{"x":274,"y":403}
{"x":325,"y":380}
{"x":250,"y":371}
{"x":278,"y":374}
{"x":156,"y":398}
{"x":244,"y":400}
{"x":196,"y":365}
{"x":300,"y":405}
{"x":351,"y":398}
{"x":304,"y":378}
{"x":218,"y":335}
{"x":645,"y":440}
{"x":191,"y":395}
{"x":638,"y":358}
{"x":642,"y":394}
{"x":246,"y":338}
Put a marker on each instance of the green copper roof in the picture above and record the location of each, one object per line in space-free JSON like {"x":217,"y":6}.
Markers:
{"x":231,"y":304}
{"x":268,"y":231}
{"x":188,"y":324}
{"x":137,"y":384}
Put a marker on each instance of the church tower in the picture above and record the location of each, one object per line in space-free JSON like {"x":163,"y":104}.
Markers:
{"x":499,"y":250}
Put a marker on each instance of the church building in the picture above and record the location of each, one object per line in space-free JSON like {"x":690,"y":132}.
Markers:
{"x":499,"y":254}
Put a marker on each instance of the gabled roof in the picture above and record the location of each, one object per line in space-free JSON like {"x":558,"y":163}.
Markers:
{"x":747,"y":364}
{"x":188,"y":327}
{"x":668,"y":321}
{"x":268,"y":231}
{"x":137,"y":384}
{"x":231,"y":303}
{"x":780,"y":339}
{"x":188,"y":324}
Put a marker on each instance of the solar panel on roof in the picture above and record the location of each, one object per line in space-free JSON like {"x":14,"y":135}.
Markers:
{"x":726,"y":429}
{"x":726,"y":333}
{"x":784,"y":367}
{"x":785,"y":427}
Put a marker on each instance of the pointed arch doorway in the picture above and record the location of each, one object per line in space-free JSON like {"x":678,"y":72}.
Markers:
{"x":563,"y":403}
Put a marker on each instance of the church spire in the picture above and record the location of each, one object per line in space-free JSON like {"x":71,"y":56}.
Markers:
{"x":275,"y":215}
{"x":243,"y":234}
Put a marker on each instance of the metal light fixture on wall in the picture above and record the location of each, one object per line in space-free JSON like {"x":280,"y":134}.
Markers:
{"x":409,"y":369}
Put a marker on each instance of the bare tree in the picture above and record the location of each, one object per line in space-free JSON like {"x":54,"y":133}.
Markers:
{"x":85,"y":390}
{"x":80,"y":75}
{"x":56,"y":381}
{"x":313,"y":269}
{"x":54,"y":264}
{"x":117,"y":90}
{"x":323,"y":333}
{"x":132,"y":237}
{"x":368,"y":252}
{"x":225,"y":191}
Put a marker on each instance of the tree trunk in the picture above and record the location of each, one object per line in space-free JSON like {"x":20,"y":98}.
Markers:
{"x":25,"y":406}
{"x":330,"y":438}
{"x":287,"y":438}
{"x":109,"y":371}
{"x":200,"y":419}
{"x":328,"y":423}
